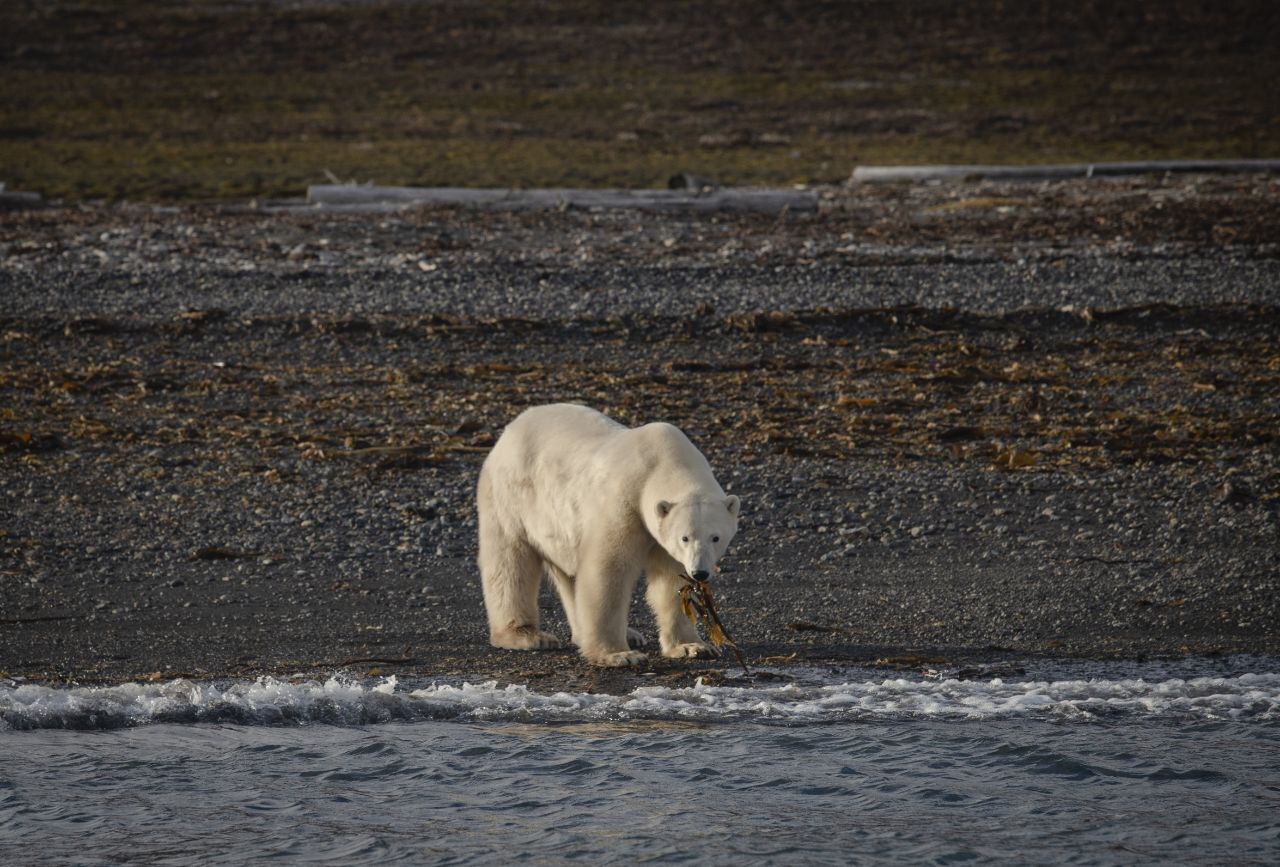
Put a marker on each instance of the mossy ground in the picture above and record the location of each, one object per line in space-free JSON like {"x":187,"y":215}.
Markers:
{"x":202,"y":100}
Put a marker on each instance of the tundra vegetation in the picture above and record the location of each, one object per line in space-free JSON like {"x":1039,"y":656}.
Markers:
{"x":113,"y":99}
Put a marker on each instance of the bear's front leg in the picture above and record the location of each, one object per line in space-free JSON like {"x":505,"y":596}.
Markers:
{"x":678,"y":637}
{"x":602,"y":599}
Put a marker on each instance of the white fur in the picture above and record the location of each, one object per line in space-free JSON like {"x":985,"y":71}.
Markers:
{"x":594,"y":504}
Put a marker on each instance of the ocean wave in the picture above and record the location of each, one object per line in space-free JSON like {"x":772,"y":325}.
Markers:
{"x":344,"y":701}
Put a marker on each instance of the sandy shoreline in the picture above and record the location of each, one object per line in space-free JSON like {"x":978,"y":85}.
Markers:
{"x":256,"y":453}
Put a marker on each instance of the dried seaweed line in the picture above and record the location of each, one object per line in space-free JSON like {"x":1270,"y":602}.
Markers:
{"x":698,"y":604}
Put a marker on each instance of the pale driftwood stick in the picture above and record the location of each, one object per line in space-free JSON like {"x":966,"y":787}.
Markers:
{"x":384,"y":451}
{"x":884,"y":174}
{"x":11,"y":200}
{"x":13,"y":621}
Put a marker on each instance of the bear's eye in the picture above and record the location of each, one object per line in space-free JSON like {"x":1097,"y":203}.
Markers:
{"x":684,"y":538}
{"x":715,"y":538}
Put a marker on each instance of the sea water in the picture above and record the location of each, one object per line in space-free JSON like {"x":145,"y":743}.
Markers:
{"x":1067,"y":763}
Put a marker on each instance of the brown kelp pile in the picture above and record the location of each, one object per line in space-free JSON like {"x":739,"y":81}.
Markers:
{"x":700,"y":605}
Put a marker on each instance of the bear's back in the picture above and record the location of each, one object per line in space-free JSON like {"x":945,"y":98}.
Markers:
{"x":562,"y":426}
{"x":554,"y":438}
{"x":567,"y":444}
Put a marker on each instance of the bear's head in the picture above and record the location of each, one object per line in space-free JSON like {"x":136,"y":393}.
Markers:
{"x":696,"y":531}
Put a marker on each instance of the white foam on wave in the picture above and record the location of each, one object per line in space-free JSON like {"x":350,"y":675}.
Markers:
{"x":342,"y":701}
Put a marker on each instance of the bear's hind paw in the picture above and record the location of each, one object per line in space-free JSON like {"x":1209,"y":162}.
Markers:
{"x":635,"y":638}
{"x":524,"y":638}
{"x":619,"y":659}
{"x":689,"y":650}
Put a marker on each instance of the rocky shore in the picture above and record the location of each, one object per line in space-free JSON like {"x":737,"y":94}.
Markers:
{"x":969,"y":423}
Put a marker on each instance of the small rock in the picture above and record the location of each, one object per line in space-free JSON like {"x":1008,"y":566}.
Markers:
{"x":686,"y":181}
{"x":1233,"y":493}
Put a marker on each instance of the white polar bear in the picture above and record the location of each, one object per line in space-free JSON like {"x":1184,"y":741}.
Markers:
{"x":594,"y":504}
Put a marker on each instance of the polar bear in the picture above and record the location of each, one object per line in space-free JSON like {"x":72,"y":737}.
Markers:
{"x":572,"y":493}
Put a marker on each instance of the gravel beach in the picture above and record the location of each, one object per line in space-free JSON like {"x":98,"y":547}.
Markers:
{"x":970,"y":423}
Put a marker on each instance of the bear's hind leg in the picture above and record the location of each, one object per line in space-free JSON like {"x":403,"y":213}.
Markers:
{"x":510,"y":574}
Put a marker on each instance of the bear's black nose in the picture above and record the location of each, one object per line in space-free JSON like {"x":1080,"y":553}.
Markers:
{"x":701,"y":576}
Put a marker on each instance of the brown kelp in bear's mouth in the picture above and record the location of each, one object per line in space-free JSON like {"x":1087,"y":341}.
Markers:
{"x":696,"y":600}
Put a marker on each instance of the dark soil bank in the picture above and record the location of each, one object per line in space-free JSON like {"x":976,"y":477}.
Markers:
{"x":965,"y":423}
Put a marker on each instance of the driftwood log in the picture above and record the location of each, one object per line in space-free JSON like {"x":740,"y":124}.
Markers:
{"x":705,"y":201}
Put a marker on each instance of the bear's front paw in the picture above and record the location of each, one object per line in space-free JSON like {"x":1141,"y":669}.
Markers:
{"x":634,"y":638}
{"x":689,"y":650}
{"x":524,"y":638}
{"x":619,"y":659}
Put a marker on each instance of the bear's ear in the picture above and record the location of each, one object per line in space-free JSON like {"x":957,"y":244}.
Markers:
{"x":732,"y":502}
{"x":663,"y":508}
